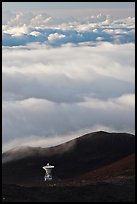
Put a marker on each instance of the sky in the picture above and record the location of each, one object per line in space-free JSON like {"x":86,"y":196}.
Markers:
{"x":78,"y":9}
{"x":65,"y":74}
{"x":64,"y":5}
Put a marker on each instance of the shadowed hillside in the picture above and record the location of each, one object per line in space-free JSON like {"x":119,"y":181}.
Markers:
{"x":71,"y":159}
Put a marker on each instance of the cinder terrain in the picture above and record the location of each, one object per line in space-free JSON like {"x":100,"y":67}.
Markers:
{"x":97,"y":167}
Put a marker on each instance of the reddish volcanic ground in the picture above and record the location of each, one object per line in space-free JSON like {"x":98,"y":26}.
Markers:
{"x":121,"y":170}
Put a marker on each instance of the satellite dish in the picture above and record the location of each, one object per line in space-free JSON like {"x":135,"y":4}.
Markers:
{"x":48,"y":168}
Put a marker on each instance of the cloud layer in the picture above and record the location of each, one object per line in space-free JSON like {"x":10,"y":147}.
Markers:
{"x":23,"y":28}
{"x":64,"y":79}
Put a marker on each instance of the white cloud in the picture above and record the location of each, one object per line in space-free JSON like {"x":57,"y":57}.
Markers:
{"x":127,"y":100}
{"x":111,"y":62}
{"x":40,"y":21}
{"x":55,"y":36}
{"x":16,"y":20}
{"x":123,"y":102}
{"x":99,"y":38}
{"x":17,"y":31}
{"x":35,"y":33}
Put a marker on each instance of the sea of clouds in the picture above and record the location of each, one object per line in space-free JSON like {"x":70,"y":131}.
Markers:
{"x":62,"y":78}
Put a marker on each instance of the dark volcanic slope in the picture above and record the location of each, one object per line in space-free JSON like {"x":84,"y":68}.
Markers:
{"x":71,"y":159}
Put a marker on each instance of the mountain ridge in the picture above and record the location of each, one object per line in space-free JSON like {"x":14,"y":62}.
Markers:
{"x":26,"y":149}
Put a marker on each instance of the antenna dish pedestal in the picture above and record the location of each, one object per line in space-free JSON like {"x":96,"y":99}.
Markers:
{"x":48,"y":168}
